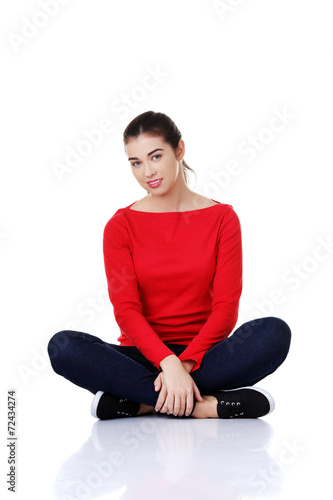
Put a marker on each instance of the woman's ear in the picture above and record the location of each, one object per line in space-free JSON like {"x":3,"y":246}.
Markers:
{"x":180,"y":150}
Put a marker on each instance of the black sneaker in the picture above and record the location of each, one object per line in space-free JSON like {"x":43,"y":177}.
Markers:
{"x":106,"y":406}
{"x":245,"y":402}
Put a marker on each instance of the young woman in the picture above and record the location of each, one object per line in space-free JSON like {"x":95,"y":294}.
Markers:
{"x":173,"y":263}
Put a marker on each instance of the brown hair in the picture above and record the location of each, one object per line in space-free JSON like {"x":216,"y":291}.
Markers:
{"x":157,"y":125}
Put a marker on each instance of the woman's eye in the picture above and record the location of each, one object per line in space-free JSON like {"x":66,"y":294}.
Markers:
{"x":137,"y":163}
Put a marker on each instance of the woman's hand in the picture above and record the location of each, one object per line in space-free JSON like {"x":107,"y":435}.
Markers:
{"x":176,"y":388}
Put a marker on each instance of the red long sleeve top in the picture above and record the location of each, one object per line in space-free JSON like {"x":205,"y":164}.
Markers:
{"x":174,"y":277}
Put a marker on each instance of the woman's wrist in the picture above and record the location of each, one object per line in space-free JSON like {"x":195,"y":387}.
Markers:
{"x":170,"y":360}
{"x":188,"y":365}
{"x":173,"y":360}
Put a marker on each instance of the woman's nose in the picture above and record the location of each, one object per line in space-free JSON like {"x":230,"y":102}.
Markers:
{"x":149,"y":170}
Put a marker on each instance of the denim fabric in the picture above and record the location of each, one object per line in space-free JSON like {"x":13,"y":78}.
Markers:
{"x":255,"y":349}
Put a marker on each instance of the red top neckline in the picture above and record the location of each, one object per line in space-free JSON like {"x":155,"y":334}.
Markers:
{"x":182,"y":212}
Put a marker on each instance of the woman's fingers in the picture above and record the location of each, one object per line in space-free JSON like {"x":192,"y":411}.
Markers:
{"x":183,"y":405}
{"x":189,"y":404}
{"x":167,"y":407}
{"x":161,"y":398}
{"x":197,"y":392}
{"x":177,"y":390}
{"x":178,"y":405}
{"x":158,"y":382}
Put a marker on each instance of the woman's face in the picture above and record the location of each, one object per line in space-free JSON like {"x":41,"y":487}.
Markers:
{"x":151,"y":159}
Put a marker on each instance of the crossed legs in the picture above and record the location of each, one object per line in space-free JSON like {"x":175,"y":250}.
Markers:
{"x":256,"y":349}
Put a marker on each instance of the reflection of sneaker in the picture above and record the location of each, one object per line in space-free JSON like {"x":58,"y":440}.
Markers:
{"x":245,"y":402}
{"x":105,"y":406}
{"x":252,"y":434}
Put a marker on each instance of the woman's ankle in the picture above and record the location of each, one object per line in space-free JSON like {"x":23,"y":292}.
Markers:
{"x":145,"y":409}
{"x":206,"y":408}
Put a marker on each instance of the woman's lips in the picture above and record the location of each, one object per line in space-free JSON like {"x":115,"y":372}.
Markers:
{"x":155,"y":183}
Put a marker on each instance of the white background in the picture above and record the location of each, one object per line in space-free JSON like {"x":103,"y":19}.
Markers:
{"x":223,"y":75}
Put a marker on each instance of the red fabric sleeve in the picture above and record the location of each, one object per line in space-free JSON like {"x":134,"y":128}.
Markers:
{"x":124,"y":293}
{"x":227,"y":289}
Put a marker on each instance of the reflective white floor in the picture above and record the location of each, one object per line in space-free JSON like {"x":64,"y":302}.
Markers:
{"x":64,"y":453}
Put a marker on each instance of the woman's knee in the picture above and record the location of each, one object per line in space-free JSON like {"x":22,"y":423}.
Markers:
{"x":60,"y":348}
{"x":271,"y":331}
{"x":281,"y":330}
{"x":279,"y":334}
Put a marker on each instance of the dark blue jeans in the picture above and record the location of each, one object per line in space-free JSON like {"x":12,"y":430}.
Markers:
{"x":256,"y":349}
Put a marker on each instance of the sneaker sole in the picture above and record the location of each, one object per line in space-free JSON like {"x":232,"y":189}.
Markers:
{"x":95,"y":402}
{"x":265,"y":393}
